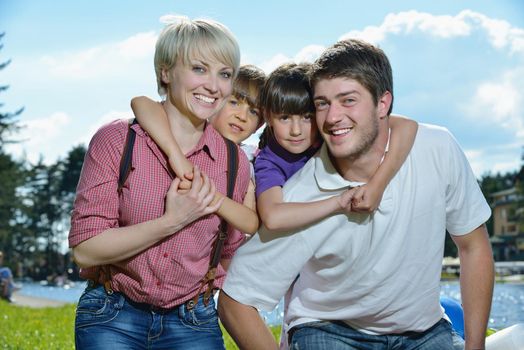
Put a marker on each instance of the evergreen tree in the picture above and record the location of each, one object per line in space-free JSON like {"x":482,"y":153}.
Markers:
{"x":11,"y":178}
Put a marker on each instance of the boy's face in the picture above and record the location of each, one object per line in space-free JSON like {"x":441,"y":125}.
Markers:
{"x":237,"y":120}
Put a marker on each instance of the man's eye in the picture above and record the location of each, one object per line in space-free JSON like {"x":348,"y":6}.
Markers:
{"x":320,"y":105}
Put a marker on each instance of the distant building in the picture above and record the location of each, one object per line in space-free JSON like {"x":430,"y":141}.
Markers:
{"x":507,"y":239}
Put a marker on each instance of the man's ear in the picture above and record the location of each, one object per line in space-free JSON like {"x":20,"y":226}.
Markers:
{"x":383,"y":104}
{"x":165,"y":76}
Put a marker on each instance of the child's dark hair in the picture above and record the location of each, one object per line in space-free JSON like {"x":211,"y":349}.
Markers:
{"x":248,"y":86}
{"x":286,"y":91}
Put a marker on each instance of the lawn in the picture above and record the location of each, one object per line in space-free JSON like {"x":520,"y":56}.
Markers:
{"x":49,"y":328}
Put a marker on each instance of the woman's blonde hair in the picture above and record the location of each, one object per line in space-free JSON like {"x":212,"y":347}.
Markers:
{"x":187,"y":39}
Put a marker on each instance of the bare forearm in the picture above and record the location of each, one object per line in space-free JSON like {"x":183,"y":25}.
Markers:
{"x":403,"y":132}
{"x":238,"y":215}
{"x":244,"y":324}
{"x":121,"y":243}
{"x":476,"y":284}
{"x":276,"y":217}
{"x":153,"y":118}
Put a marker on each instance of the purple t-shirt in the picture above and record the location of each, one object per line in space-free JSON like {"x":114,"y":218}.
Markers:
{"x":274,"y":165}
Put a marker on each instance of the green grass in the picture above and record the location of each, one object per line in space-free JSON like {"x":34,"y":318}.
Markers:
{"x":51,"y":328}
{"x":28,"y":328}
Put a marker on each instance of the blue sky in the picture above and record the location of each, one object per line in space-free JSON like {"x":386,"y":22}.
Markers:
{"x":460,"y":64}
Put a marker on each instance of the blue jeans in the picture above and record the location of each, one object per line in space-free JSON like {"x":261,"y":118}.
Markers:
{"x":113,"y":322}
{"x":338,"y":336}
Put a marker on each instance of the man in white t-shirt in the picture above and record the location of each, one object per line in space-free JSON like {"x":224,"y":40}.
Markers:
{"x":366,"y":281}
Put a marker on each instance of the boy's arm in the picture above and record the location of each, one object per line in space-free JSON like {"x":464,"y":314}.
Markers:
{"x":153,"y":119}
{"x":250,"y":199}
{"x":278,"y":215}
{"x":238,"y":215}
{"x":403,"y":131}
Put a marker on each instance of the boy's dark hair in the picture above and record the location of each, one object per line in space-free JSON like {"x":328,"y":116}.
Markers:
{"x":248,"y":85}
{"x":287,"y":91}
{"x":356,"y":59}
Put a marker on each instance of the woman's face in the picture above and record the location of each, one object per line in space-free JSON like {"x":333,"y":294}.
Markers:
{"x":198,"y":89}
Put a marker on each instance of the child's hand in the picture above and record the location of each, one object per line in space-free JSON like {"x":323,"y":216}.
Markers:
{"x":345,"y":199}
{"x":366,"y":199}
{"x":183,"y":169}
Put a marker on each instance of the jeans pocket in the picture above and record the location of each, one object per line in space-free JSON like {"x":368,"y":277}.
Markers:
{"x":95,"y":307}
{"x":201,"y":316}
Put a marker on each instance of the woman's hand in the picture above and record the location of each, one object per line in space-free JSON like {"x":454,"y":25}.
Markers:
{"x":184,"y":207}
{"x":183,"y":169}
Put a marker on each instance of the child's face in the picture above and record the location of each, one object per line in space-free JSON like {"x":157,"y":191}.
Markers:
{"x":295,"y":133}
{"x":237,"y":120}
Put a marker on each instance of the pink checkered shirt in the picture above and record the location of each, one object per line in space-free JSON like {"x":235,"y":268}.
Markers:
{"x":170,"y":272}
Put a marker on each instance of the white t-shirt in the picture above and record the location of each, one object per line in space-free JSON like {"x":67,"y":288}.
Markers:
{"x":379,"y":273}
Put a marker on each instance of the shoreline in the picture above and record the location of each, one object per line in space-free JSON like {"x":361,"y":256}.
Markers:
{"x":35,"y":302}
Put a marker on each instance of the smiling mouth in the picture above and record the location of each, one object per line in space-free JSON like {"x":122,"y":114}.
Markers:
{"x":340,"y":132}
{"x":205,"y":99}
{"x":236,"y":128}
{"x":296,"y":141}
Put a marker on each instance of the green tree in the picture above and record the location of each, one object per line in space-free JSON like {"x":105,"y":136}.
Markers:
{"x":11,"y":177}
{"x":8,"y":121}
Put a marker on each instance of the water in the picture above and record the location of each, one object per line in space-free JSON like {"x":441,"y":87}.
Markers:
{"x":507,"y":307}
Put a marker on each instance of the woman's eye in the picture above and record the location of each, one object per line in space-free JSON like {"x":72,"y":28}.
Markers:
{"x":199,"y":69}
{"x":226,"y":75}
{"x":308,"y":116}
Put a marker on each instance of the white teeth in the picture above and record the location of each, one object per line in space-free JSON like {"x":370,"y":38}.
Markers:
{"x":341,"y":131}
{"x":205,"y":98}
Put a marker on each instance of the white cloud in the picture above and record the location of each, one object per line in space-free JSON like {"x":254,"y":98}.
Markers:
{"x":500,"y":33}
{"x":39,"y":136}
{"x":498,"y":102}
{"x":106,"y":61}
{"x":104,"y":119}
{"x":307,"y":54}
{"x":274,"y":62}
{"x":488,"y":161}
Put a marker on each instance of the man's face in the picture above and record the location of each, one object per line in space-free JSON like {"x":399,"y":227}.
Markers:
{"x":347,"y":116}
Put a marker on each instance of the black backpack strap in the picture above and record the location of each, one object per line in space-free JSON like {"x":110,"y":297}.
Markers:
{"x":127,"y":155}
{"x":209,"y":278}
